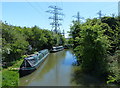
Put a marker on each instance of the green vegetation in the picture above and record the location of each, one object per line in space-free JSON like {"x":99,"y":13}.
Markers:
{"x":114,"y":68}
{"x":97,"y":45}
{"x":18,"y":41}
{"x":10,"y":76}
{"x":0,"y":78}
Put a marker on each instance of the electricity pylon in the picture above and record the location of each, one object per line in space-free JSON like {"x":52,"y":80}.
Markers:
{"x":55,"y":11}
{"x":78,"y":17}
{"x":100,"y":14}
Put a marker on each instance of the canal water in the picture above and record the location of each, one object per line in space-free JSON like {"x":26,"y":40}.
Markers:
{"x":57,"y":70}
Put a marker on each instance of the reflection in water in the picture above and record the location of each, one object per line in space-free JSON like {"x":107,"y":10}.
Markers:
{"x":57,"y":70}
{"x":86,"y":80}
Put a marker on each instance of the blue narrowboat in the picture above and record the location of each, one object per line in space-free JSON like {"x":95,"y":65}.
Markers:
{"x":32,"y":62}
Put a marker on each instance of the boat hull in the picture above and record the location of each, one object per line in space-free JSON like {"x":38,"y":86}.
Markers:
{"x":25,"y":72}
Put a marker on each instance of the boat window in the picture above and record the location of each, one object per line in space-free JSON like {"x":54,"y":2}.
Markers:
{"x":54,"y":47}
{"x":40,"y":56}
{"x":27,"y":64}
{"x":32,"y":61}
{"x":43,"y":53}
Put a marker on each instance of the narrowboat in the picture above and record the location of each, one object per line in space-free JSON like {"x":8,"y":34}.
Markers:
{"x":32,"y":62}
{"x":58,"y":48}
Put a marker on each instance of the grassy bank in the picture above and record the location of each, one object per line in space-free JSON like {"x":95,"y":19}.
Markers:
{"x":0,"y":79}
{"x":10,"y":75}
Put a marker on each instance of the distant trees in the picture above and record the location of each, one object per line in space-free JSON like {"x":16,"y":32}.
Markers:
{"x":17,"y":41}
{"x":94,"y":41}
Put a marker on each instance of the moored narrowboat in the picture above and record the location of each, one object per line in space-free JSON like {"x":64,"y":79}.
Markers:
{"x":58,"y":48}
{"x":32,"y":62}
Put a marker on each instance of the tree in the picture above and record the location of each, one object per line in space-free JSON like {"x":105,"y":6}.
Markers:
{"x":113,"y":32}
{"x":90,"y":46}
{"x":14,"y":44}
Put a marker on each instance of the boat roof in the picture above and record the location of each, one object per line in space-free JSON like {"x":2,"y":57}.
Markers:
{"x":57,"y":46}
{"x":35,"y":55}
{"x":31,"y":57}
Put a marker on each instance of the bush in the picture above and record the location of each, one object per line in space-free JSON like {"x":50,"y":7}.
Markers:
{"x":114,"y":68}
{"x":91,"y":47}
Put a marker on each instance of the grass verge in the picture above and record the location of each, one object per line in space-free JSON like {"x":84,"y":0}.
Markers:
{"x":10,"y":75}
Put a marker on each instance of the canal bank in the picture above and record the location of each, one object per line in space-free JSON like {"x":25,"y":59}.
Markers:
{"x":10,"y":75}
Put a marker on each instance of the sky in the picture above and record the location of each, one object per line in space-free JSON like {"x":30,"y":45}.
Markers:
{"x":34,"y":13}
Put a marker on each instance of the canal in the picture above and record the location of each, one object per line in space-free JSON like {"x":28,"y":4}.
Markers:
{"x":57,"y":70}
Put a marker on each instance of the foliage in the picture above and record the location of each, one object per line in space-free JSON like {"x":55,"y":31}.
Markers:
{"x":93,"y":41}
{"x":114,"y":68}
{"x":14,"y":44}
{"x":75,"y":29}
{"x":92,"y":49}
{"x":18,"y":41}
{"x":113,"y":32}
{"x":70,"y":41}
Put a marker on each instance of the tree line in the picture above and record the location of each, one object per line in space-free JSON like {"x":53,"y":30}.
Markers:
{"x":97,"y":47}
{"x":18,"y":41}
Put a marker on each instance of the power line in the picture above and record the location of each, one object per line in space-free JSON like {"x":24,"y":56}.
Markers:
{"x":55,"y":11}
{"x":33,"y":7}
{"x":36,"y":9}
